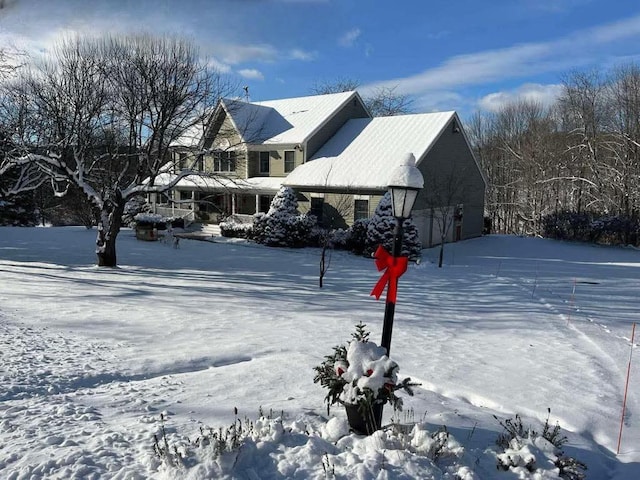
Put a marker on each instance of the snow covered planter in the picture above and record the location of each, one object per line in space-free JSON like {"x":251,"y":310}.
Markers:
{"x":360,"y":376}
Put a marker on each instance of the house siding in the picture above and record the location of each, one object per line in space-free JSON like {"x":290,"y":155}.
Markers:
{"x":276,"y":161}
{"x":452,"y":175}
{"x":338,"y":209}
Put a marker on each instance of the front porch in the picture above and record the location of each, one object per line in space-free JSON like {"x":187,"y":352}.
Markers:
{"x":201,"y":207}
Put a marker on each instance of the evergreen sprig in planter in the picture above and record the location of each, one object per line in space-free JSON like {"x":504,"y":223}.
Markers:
{"x":360,"y":376}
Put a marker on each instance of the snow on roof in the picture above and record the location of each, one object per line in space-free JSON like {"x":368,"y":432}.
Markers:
{"x":264,"y":185}
{"x":190,"y":138}
{"x":288,"y":120}
{"x":364,"y":152}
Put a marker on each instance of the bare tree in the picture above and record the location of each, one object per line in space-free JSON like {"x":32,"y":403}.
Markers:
{"x":446,"y":192}
{"x":332,"y":217}
{"x":381,"y":102}
{"x":107,"y":112}
{"x":623,"y":145}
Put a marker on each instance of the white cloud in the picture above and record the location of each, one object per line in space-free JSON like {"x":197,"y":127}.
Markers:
{"x":251,"y":73}
{"x":299,"y":54}
{"x":439,"y":101}
{"x":234,"y":54}
{"x":349,"y":38}
{"x":545,"y":95}
{"x":571,"y":51}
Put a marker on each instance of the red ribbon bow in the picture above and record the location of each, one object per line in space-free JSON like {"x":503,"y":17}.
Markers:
{"x":393,"y":268}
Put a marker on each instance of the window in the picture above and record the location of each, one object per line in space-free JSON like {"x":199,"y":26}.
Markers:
{"x":316,"y":207}
{"x":224,"y":162}
{"x":182,"y":160}
{"x":289,"y":161}
{"x":264,"y":203}
{"x":264,"y":162}
{"x":361,"y":209}
{"x":200,"y":163}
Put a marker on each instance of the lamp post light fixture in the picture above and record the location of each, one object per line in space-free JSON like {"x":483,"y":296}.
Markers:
{"x":405,"y":183}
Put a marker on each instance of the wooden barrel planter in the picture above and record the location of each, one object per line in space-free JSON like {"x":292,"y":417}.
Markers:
{"x":146,"y":232}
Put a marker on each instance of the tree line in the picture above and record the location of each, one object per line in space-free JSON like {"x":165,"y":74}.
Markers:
{"x":580,"y":155}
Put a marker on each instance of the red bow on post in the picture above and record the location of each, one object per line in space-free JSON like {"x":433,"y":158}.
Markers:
{"x":393,"y":268}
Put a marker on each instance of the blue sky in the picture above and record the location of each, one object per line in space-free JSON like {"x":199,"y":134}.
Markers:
{"x":447,"y":55}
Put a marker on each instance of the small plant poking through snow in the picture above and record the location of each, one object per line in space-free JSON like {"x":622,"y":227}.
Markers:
{"x":269,"y":448}
{"x":166,"y":453}
{"x":526,"y":451}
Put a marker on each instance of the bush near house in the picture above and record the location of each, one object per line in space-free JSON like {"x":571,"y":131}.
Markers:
{"x":233,"y":228}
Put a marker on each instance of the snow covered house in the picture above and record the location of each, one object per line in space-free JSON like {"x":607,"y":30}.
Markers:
{"x":248,"y":148}
{"x":336,"y":157}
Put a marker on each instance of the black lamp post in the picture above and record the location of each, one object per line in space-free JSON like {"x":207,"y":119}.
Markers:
{"x":405,"y":183}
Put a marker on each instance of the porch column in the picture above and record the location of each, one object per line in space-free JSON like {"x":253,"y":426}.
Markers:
{"x":257,"y":203}
{"x":233,"y":203}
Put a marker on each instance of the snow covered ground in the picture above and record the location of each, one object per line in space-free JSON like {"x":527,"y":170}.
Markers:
{"x":90,"y":358}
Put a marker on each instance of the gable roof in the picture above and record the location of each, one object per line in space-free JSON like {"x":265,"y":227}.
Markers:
{"x":285,"y":121}
{"x":363,"y":152}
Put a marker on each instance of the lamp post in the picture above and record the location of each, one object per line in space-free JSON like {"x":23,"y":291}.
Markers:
{"x":404,"y":184}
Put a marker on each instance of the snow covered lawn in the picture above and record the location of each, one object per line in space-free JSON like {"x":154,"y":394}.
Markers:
{"x":90,"y":358}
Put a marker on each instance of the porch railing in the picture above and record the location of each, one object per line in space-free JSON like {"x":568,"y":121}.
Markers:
{"x":168,"y":211}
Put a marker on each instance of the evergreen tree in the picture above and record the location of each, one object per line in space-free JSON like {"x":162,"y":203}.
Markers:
{"x":380,"y":231}
{"x":283,"y":225}
{"x":18,"y":210}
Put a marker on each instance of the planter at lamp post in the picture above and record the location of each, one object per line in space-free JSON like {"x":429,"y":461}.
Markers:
{"x":361,"y":377}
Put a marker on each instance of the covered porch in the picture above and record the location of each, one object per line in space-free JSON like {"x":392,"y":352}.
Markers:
{"x":213,"y":203}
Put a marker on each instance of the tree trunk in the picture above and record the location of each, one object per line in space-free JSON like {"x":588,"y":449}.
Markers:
{"x":108,"y":229}
{"x":323,"y":264}
{"x":441,"y":255}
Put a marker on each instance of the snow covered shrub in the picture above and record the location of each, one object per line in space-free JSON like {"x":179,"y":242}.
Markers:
{"x":283,"y":225}
{"x":356,"y":240}
{"x":567,"y":225}
{"x":340,"y":238}
{"x":524,"y":450}
{"x":361,"y":374}
{"x":592,"y":227}
{"x":232,"y":228}
{"x":380,"y":231}
{"x":299,"y":228}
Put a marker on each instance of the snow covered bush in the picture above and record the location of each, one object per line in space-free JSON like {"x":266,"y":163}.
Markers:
{"x":527,"y":452}
{"x":283,"y":225}
{"x":356,"y":241}
{"x":592,"y":227}
{"x":380,"y":232}
{"x":233,"y":228}
{"x":361,"y":374}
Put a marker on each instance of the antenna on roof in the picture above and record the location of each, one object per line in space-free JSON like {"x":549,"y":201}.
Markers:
{"x":246,"y":92}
